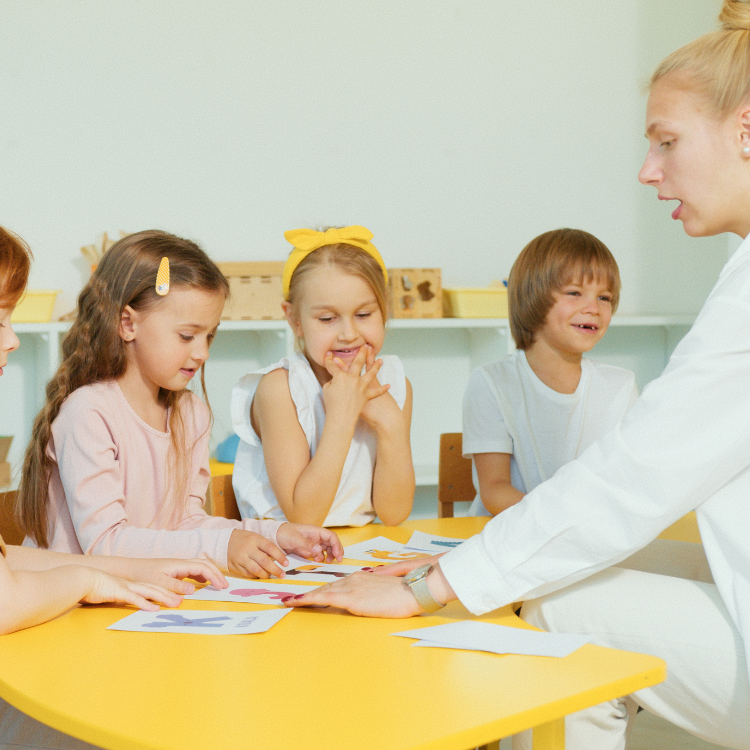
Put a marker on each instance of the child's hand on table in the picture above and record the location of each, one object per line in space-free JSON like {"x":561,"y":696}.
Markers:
{"x":109,"y":588}
{"x":168,"y":574}
{"x":311,"y":542}
{"x":253,"y":556}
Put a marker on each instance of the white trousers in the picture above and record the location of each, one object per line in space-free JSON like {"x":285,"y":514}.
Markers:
{"x":20,"y":732}
{"x":684,"y":622}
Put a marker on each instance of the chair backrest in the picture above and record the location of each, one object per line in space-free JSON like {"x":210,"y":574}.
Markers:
{"x":454,"y":475}
{"x":223,"y":501}
{"x":8,"y":527}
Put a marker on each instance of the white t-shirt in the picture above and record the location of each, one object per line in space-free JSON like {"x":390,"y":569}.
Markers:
{"x":683,"y":446}
{"x":507,"y":409}
{"x":352,"y":505}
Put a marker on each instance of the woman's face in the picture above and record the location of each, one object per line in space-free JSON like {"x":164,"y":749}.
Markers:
{"x":697,"y":159}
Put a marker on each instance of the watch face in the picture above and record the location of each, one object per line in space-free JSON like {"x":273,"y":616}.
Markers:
{"x":417,"y":573}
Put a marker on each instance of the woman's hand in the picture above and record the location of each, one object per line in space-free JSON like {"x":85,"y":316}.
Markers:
{"x":310,"y":542}
{"x":363,"y":594}
{"x":168,"y":574}
{"x":253,"y":556}
{"x":109,"y":588}
{"x":406,"y":566}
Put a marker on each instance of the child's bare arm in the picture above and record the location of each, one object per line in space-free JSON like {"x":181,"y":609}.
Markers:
{"x":165,"y":572}
{"x":306,"y":487}
{"x":33,"y":597}
{"x":393,"y":480}
{"x":495,"y":489}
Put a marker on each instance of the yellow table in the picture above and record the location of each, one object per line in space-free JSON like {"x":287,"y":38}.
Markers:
{"x":319,"y":680}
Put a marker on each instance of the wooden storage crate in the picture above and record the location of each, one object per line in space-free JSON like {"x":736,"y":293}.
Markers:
{"x":4,"y":464}
{"x":255,"y":290}
{"x":415,"y":293}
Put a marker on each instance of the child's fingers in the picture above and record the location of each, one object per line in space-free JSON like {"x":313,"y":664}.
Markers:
{"x":370,"y":358}
{"x":332,"y":364}
{"x":265,"y":556}
{"x":361,"y":356}
{"x":146,"y":592}
{"x":205,"y":571}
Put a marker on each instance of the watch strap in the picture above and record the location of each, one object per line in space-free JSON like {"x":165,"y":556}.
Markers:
{"x":417,"y":582}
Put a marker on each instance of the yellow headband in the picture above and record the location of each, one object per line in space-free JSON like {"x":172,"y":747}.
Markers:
{"x":307,"y":240}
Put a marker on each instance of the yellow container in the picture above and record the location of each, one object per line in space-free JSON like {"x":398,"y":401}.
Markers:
{"x":35,"y":306}
{"x":487,"y":302}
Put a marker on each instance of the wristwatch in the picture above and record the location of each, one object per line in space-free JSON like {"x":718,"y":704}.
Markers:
{"x":417,"y":582}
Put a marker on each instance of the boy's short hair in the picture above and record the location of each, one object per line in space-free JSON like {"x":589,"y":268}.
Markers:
{"x":545,"y":265}
{"x":15,"y":262}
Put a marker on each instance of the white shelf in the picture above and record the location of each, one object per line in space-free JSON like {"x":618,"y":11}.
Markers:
{"x":438,"y":355}
{"x":397,"y":323}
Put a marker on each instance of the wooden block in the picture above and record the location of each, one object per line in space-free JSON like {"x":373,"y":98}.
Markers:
{"x":415,"y":293}
{"x":255,"y":290}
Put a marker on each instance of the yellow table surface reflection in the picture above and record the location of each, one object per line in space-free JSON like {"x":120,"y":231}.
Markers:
{"x":320,"y":679}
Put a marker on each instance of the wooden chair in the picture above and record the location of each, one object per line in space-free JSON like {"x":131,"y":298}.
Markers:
{"x":221,"y":500}
{"x":8,"y":527}
{"x":454,"y":475}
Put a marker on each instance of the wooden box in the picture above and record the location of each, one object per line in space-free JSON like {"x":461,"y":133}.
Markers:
{"x":255,"y":290}
{"x":415,"y":293}
{"x":4,"y":464}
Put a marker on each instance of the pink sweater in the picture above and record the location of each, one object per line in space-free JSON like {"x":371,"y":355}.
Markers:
{"x":107,"y":487}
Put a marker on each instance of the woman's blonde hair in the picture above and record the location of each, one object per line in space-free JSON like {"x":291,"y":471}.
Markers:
{"x":350,"y":259}
{"x":93,"y":351}
{"x":716,"y":64}
{"x":15,"y":263}
{"x":546,"y":265}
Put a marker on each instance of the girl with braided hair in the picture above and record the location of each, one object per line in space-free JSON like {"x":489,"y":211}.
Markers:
{"x":118,"y":461}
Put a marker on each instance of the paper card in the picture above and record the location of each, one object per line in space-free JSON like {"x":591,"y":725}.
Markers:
{"x":294,"y":561}
{"x":206,"y":622}
{"x":381,"y":550}
{"x":497,"y":639}
{"x":250,"y":592}
{"x":324,"y":572}
{"x":432,"y":543}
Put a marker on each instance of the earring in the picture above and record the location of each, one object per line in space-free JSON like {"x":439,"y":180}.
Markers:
{"x":746,"y":150}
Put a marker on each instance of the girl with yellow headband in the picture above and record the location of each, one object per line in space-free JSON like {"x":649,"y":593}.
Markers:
{"x":325,"y":432}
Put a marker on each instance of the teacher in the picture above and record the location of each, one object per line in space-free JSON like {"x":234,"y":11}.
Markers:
{"x":685,"y":445}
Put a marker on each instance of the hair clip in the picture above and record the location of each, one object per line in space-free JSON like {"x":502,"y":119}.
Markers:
{"x":162,"y":277}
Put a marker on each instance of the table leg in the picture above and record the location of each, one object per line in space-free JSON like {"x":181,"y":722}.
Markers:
{"x":549,"y":736}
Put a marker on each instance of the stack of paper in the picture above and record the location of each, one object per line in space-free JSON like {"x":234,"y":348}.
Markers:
{"x":497,"y":639}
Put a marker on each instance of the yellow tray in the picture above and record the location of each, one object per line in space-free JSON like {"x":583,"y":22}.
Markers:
{"x":35,"y":306}
{"x":489,"y":302}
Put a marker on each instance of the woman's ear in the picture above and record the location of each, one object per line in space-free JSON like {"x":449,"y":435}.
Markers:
{"x":126,"y":329}
{"x":743,"y":116}
{"x":292,"y":318}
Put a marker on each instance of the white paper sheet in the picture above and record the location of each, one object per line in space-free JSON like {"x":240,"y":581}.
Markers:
{"x":432,"y":543}
{"x":497,"y":639}
{"x":250,"y":591}
{"x":202,"y":621}
{"x":382,"y":550}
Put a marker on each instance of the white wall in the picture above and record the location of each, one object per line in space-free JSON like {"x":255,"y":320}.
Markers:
{"x":456,"y":130}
